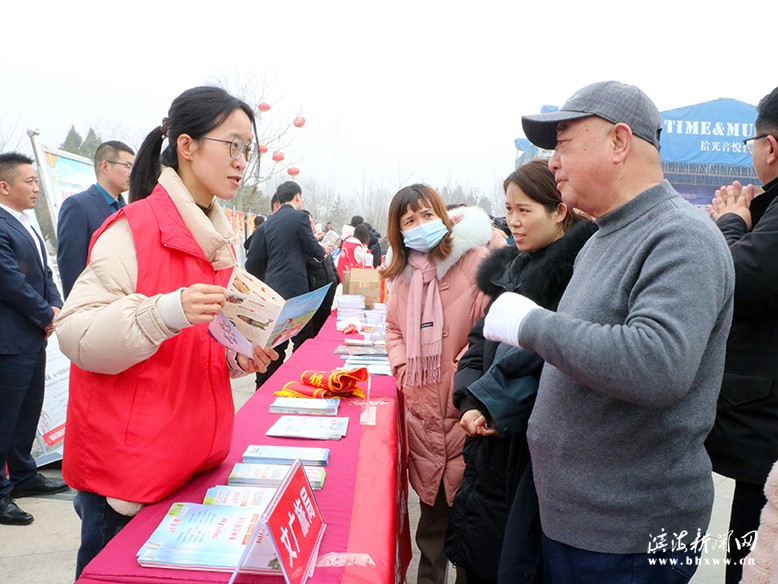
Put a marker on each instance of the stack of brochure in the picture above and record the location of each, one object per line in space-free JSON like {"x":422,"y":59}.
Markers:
{"x":351,"y":306}
{"x":305,"y":405}
{"x":241,"y":496}
{"x":378,"y":350}
{"x":272,"y":475}
{"x":259,"y":453}
{"x":311,"y":427}
{"x":209,"y":537}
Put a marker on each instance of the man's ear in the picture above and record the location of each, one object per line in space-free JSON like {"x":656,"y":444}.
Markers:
{"x":772,"y":153}
{"x":621,"y":136}
{"x":4,"y":187}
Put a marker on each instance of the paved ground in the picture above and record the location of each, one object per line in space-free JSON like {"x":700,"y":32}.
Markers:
{"x":44,"y":552}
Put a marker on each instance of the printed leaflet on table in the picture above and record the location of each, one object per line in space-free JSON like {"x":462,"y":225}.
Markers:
{"x":311,"y":427}
{"x":272,"y":475}
{"x":259,"y":453}
{"x":305,"y":405}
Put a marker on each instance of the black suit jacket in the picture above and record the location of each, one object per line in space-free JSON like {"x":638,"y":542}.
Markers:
{"x":286,"y":240}
{"x":743,"y":443}
{"x":79,"y":217}
{"x":27,"y":289}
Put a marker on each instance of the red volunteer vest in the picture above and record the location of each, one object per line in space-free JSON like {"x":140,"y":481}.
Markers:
{"x":142,"y":433}
{"x":347,"y":259}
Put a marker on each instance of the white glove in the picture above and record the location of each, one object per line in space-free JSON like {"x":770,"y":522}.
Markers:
{"x":503,"y":322}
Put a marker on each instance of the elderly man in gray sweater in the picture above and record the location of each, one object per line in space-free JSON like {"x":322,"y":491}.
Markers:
{"x":634,"y":355}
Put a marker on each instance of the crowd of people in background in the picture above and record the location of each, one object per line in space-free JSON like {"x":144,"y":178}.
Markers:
{"x":571,"y":372}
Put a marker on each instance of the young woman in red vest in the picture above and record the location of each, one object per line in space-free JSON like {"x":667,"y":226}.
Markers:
{"x":150,"y":399}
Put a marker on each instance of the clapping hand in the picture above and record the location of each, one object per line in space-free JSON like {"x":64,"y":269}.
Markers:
{"x":733,"y":199}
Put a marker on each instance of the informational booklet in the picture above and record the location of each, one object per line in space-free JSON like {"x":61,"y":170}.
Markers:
{"x":311,"y":427}
{"x":330,"y":238}
{"x":306,"y":405}
{"x":272,"y":475}
{"x":256,"y":315}
{"x":373,"y":368}
{"x":260,"y":453}
{"x":209,"y":537}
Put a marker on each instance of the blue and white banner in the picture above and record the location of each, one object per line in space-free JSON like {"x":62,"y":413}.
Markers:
{"x":708,"y":133}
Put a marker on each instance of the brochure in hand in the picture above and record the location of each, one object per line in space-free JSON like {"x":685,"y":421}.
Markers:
{"x":259,"y":453}
{"x":256,"y":315}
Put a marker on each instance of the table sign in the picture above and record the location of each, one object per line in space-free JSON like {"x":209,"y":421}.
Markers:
{"x":295,"y":525}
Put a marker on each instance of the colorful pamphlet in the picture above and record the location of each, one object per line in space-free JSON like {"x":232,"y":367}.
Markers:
{"x":256,"y":315}
{"x":196,"y":536}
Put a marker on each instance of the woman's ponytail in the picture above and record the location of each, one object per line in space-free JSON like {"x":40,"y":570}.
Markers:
{"x":146,"y":169}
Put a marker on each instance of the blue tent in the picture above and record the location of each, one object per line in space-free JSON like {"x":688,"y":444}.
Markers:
{"x":702,"y":147}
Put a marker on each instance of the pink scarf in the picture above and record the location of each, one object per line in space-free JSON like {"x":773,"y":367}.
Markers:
{"x":424,"y":325}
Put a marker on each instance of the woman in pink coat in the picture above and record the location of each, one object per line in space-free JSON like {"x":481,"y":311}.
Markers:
{"x":433,"y":303}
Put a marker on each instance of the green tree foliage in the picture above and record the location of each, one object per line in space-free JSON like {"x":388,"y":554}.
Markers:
{"x":85,"y":147}
{"x":90,"y":144}
{"x":72,"y":141}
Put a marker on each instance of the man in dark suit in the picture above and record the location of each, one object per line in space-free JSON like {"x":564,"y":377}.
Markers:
{"x":743,"y":443}
{"x":283,"y":243}
{"x":80,"y":215}
{"x":29,"y":301}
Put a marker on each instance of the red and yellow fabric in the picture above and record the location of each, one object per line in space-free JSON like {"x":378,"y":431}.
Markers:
{"x":332,"y":383}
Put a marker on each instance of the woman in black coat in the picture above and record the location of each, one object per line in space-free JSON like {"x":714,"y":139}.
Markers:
{"x":494,"y":530}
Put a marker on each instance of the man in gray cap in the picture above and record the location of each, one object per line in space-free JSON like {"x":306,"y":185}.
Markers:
{"x":634,"y":355}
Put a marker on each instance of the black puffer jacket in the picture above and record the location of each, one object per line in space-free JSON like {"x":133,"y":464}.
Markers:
{"x":501,"y":382}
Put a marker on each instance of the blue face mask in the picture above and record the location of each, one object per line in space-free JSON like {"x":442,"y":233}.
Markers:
{"x":425,"y":237}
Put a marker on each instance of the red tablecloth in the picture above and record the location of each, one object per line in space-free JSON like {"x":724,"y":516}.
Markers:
{"x":363,"y":502}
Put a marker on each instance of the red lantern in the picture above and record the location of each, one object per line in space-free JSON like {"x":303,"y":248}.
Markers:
{"x":278,"y":156}
{"x":293,"y":171}
{"x":299,"y":122}
{"x":263,"y":106}
{"x":262,"y":148}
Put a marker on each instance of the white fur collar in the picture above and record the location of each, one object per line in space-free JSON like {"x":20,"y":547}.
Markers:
{"x":472,"y":229}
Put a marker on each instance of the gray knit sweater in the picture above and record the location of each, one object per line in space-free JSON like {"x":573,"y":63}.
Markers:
{"x":634,"y":361}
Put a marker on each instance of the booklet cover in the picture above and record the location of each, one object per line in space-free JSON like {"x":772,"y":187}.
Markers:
{"x":256,"y":315}
{"x":311,"y":427}
{"x":306,"y":405}
{"x":259,"y":453}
